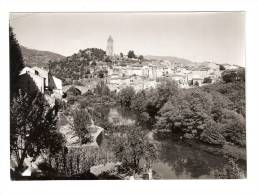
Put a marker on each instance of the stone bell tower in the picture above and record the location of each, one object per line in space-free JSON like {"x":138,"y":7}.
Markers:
{"x":110,"y":46}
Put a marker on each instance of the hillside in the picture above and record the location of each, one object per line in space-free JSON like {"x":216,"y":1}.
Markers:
{"x":38,"y":58}
{"x":78,"y":65}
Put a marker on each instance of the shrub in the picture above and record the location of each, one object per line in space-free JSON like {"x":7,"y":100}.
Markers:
{"x":211,"y":134}
{"x":229,"y":76}
{"x":234,"y":127}
{"x":73,"y":91}
{"x":126,"y":95}
{"x":221,"y":67}
{"x":81,"y":122}
{"x":207,"y":80}
{"x":132,"y":147}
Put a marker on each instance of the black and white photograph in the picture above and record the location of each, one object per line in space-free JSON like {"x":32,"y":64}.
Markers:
{"x":127,"y":96}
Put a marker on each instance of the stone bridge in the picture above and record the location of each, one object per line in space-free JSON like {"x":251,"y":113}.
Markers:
{"x":83,"y":89}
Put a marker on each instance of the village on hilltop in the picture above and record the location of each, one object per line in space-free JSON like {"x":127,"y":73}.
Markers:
{"x":121,"y":71}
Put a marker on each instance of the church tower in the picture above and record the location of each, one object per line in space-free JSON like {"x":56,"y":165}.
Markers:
{"x":110,"y":48}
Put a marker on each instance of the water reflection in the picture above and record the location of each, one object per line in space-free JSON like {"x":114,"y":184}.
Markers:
{"x":177,"y":160}
{"x":185,"y":162}
{"x":118,"y":117}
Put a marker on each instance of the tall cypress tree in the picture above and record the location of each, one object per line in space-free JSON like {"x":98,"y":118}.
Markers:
{"x":16,"y":60}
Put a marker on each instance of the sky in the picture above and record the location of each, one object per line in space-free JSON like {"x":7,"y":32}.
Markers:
{"x":197,"y":36}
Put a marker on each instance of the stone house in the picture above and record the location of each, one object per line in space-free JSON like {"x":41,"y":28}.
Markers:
{"x":42,"y":80}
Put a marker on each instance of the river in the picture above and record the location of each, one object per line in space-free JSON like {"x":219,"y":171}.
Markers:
{"x":176,"y":160}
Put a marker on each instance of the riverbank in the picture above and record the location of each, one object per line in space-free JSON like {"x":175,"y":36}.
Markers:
{"x":226,"y":151}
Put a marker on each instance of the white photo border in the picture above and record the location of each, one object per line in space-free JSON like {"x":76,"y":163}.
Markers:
{"x":200,"y":187}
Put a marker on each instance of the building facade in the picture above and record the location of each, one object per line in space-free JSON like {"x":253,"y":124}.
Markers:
{"x":37,"y":79}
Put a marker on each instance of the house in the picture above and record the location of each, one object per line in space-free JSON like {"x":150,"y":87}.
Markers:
{"x":148,"y":84}
{"x":159,"y":72}
{"x":136,"y":69}
{"x":198,"y":80}
{"x":181,"y":79}
{"x":202,"y":73}
{"x":31,"y":81}
{"x":42,"y":80}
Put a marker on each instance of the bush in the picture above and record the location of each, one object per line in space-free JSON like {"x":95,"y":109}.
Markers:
{"x":81,"y":122}
{"x":126,"y":95}
{"x":102,"y":89}
{"x":132,"y":147}
{"x":211,"y":134}
{"x":221,"y":67}
{"x":73,"y":91}
{"x":72,"y":99}
{"x":229,"y":76}
{"x":207,"y":80}
{"x":234,"y":127}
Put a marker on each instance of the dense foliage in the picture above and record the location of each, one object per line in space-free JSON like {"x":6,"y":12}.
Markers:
{"x":81,"y":123}
{"x":233,"y":75}
{"x":33,"y":127}
{"x":130,"y":148}
{"x":131,"y":54}
{"x":207,"y":80}
{"x":76,"y":162}
{"x":102,"y":89}
{"x":150,"y":101}
{"x":214,"y":114}
{"x":78,"y":65}
{"x":73,"y":91}
{"x":125,"y":96}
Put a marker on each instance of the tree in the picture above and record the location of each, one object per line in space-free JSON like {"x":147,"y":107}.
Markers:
{"x":138,"y":101}
{"x":234,"y":127}
{"x":207,"y":80}
{"x":121,"y":55}
{"x":212,"y":133}
{"x":101,"y":73}
{"x":186,"y":113}
{"x":73,"y":91}
{"x":107,"y":59}
{"x":81,"y":123}
{"x":230,"y":76}
{"x":156,"y":98}
{"x":102,"y":89}
{"x":131,"y":54}
{"x":133,"y":147}
{"x":141,"y":58}
{"x":221,"y":67}
{"x":93,"y":63}
{"x":190,"y":82}
{"x":16,"y":61}
{"x":126,"y":95}
{"x":196,"y":84}
{"x":32,"y":126}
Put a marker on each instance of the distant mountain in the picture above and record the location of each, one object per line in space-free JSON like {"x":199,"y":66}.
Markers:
{"x":33,"y":57}
{"x":172,"y":59}
{"x":190,"y":64}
